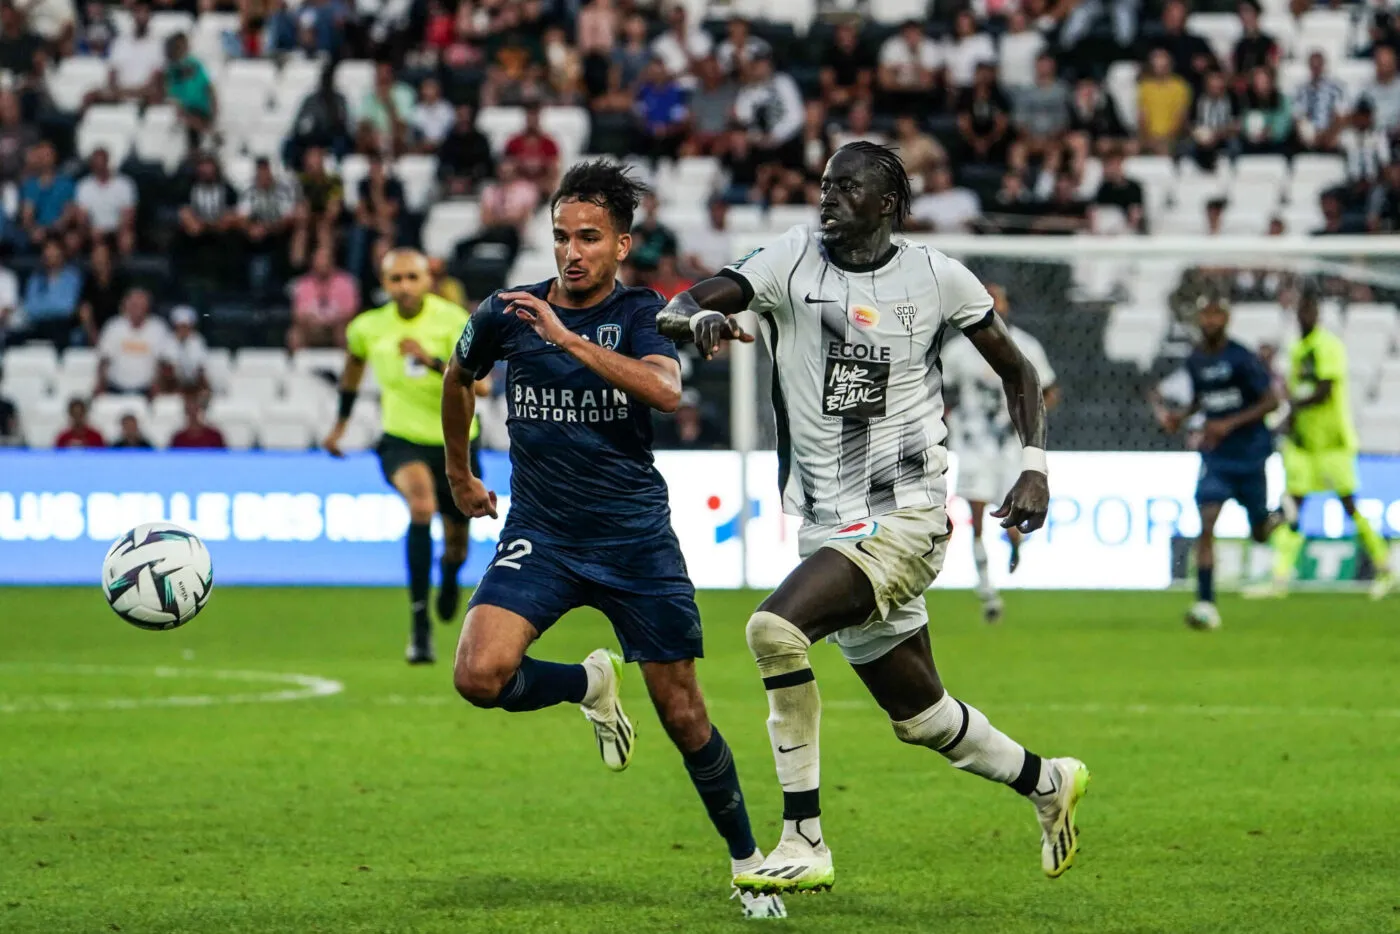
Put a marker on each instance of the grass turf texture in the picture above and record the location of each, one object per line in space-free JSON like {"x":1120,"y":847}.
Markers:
{"x":1244,"y":780}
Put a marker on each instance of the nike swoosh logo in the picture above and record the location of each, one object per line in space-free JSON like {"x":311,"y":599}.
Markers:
{"x":818,"y":301}
{"x":792,"y":748}
{"x":860,"y":546}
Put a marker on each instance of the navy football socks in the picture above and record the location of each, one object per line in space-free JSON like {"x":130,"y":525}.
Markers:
{"x":420,"y":576}
{"x":711,"y":768}
{"x":538,"y":684}
{"x":1205,"y":584}
{"x":449,"y":591}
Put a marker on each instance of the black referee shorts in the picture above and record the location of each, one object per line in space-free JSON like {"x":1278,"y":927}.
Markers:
{"x":394,"y":452}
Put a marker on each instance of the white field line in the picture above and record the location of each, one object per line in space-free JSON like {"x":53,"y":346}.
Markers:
{"x":299,"y":687}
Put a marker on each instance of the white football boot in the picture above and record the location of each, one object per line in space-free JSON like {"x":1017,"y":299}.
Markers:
{"x":610,"y":725}
{"x":795,"y":865}
{"x":1059,"y":837}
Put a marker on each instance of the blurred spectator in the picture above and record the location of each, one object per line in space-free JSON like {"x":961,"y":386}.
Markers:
{"x":197,"y":433}
{"x":136,"y":59}
{"x":769,"y":106}
{"x":207,"y":215}
{"x":740,"y":47}
{"x":942,"y":207}
{"x":983,"y":120}
{"x":1118,"y":191}
{"x":563,"y":68}
{"x":625,"y":65}
{"x":188,"y":354}
{"x":323,"y":302}
{"x":18,"y":45}
{"x":130,"y":437}
{"x":9,"y":307}
{"x":910,"y":65}
{"x":651,"y":239}
{"x":1164,"y":102}
{"x":103,"y":288}
{"x":386,"y":108}
{"x":266,"y":211}
{"x":968,"y":49}
{"x":107,"y":203}
{"x":859,"y":126}
{"x":918,"y":151}
{"x":51,"y":296}
{"x":1335,"y":220}
{"x":134,"y":350}
{"x":1020,"y":47}
{"x":535,"y":152}
{"x":681,"y":46}
{"x":786,"y":184}
{"x":378,"y":213}
{"x":1384,"y":91}
{"x":446,"y":285}
{"x":433,"y":116}
{"x":515,"y":59}
{"x":1319,"y":107}
{"x":318,"y":214}
{"x":596,"y":35}
{"x":188,"y":87}
{"x":1366,"y":148}
{"x":1267,"y":121}
{"x":96,"y":31}
{"x":9,"y":415}
{"x":1064,"y":212}
{"x":1040,"y":116}
{"x":17,"y":138}
{"x":1215,"y":216}
{"x":708,"y":247}
{"x":663,"y":119}
{"x":464,"y":158}
{"x":667,"y":280}
{"x":688,"y":428}
{"x":78,"y":434}
{"x":322,"y":121}
{"x":1085,"y":15}
{"x":54,"y":21}
{"x":1383,"y":205}
{"x":711,"y":103}
{"x":1094,"y":123}
{"x":1215,"y":124}
{"x":1253,"y":49}
{"x":46,"y":196}
{"x":507,"y":204}
{"x":847,"y":68}
{"x":1190,"y":55}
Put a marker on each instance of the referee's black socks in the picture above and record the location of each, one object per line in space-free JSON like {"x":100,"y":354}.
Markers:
{"x":420,"y":575}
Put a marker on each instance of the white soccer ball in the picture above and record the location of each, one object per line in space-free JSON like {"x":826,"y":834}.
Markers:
{"x":157,"y":576}
{"x":1203,"y":615}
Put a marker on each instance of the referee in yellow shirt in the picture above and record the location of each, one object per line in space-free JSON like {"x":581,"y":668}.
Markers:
{"x":1320,"y":447}
{"x":408,"y":343}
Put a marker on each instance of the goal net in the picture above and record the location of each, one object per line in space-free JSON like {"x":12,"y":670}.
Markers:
{"x":1116,"y":316}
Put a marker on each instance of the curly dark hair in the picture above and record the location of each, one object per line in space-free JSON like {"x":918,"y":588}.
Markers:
{"x":606,"y":184}
{"x":890,"y":167}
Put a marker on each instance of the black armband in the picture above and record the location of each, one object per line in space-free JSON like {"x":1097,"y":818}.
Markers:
{"x":440,"y":365}
{"x":347,"y":403}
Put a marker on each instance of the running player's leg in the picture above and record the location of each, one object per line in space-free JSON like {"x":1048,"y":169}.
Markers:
{"x":904,"y":682}
{"x":1204,"y":615}
{"x":986,"y":590}
{"x":1340,"y":468}
{"x":1300,"y":480}
{"x":414,"y":481}
{"x":980,"y":483}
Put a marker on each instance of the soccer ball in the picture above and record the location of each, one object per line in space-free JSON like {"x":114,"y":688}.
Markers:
{"x":1203,"y":615}
{"x":157,"y":576}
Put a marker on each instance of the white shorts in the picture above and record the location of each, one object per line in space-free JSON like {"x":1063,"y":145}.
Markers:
{"x":987,"y":474}
{"x":901,"y":553}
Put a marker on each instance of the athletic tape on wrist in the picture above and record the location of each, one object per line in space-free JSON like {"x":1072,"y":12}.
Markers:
{"x":696,"y":319}
{"x":1034,"y":459}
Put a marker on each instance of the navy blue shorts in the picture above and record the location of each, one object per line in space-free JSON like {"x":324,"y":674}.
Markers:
{"x":642,"y":587}
{"x":1245,"y":484}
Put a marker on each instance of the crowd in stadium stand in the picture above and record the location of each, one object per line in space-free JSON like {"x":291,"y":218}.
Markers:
{"x":1010,"y":116}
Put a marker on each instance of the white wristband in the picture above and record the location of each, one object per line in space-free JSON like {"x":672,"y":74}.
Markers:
{"x":1034,"y":459}
{"x":696,"y":319}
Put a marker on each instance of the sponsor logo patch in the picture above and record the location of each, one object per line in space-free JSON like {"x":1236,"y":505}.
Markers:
{"x":863,"y":529}
{"x":864,"y":316}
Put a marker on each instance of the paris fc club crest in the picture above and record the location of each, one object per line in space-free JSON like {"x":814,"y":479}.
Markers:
{"x":609,"y":336}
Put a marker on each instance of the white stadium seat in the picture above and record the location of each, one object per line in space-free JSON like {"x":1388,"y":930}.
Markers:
{"x":25,"y":389}
{"x":311,"y":394}
{"x":285,"y":426}
{"x":1327,"y":31}
{"x":237,"y":419}
{"x":217,"y":368}
{"x":161,"y":138}
{"x":1134,"y":334}
{"x":261,"y":362}
{"x":318,"y":360}
{"x":41,"y":422}
{"x":1220,"y":30}
{"x":569,"y":126}
{"x":448,"y":223}
{"x":169,"y":22}
{"x":247,"y":74}
{"x":354,"y":168}
{"x":1379,"y":428}
{"x":418,"y":174}
{"x":533,"y":266}
{"x":1256,"y":323}
{"x":354,"y":78}
{"x":1261,"y":168}
{"x":74,"y":78}
{"x":498,"y":124}
{"x":79,"y":364}
{"x":108,"y":410}
{"x":30,"y":360}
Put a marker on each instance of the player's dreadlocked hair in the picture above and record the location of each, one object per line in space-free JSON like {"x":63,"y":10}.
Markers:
{"x":606,"y":184}
{"x":891,"y":168}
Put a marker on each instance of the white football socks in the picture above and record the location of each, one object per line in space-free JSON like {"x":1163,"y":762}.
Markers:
{"x":794,"y":705}
{"x":966,"y":738}
{"x":985,"y":590}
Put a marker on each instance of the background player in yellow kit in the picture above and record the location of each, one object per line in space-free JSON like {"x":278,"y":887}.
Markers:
{"x":1320,"y":446}
{"x":408,"y":343}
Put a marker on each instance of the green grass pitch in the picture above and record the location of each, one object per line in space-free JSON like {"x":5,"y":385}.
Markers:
{"x":1244,"y":780}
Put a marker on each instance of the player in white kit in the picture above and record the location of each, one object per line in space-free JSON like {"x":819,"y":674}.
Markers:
{"x":989,"y":453}
{"x":855,"y":320}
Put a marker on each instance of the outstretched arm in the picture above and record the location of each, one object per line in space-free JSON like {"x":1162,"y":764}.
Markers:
{"x":704,"y":314}
{"x":458,"y":408}
{"x":1028,"y":502}
{"x":350,"y":378}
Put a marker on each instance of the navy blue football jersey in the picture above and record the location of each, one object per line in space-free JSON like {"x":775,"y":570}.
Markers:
{"x":580,"y":449}
{"x":1223,"y":384}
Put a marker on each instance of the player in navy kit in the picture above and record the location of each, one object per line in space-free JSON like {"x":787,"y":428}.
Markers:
{"x":590,"y":521}
{"x":1233,"y":390}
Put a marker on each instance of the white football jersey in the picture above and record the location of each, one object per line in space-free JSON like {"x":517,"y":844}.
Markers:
{"x":857,"y":388}
{"x":981,"y":420}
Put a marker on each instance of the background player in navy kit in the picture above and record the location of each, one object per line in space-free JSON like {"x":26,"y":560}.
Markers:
{"x":589,"y":523}
{"x":1232,"y":388}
